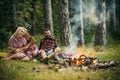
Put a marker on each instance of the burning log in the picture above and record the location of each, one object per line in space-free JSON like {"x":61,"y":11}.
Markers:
{"x":112,"y":63}
{"x":83,"y":60}
{"x":92,"y":63}
{"x":103,"y":65}
{"x":66,"y":67}
{"x":83,"y":63}
{"x":106,"y":64}
{"x":79,"y":61}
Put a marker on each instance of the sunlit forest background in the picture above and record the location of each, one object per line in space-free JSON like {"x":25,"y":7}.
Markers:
{"x":30,"y":14}
{"x":88,"y":24}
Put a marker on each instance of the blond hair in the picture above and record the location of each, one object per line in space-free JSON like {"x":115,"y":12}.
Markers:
{"x":18,"y":29}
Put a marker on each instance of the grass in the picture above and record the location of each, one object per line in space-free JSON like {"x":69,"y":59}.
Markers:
{"x":17,"y":70}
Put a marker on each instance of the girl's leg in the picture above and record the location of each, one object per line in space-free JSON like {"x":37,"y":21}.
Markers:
{"x":34,"y":53}
{"x":26,"y":58}
{"x":16,"y":56}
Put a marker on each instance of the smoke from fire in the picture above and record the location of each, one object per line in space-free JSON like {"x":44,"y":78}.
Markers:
{"x":91,"y":13}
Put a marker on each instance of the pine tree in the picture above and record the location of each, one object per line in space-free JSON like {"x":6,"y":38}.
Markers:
{"x":65,"y":27}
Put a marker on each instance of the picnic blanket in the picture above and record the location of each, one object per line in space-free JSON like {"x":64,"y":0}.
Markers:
{"x":3,"y":55}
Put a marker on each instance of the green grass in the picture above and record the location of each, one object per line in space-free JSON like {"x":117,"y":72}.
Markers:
{"x":18,"y":70}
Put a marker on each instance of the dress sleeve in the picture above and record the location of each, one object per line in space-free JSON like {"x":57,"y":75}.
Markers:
{"x":12,"y":42}
{"x":24,"y":41}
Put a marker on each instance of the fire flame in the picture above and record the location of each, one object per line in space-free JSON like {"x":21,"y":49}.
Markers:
{"x":94,"y":61}
{"x":79,"y":61}
{"x":88,"y":52}
{"x":82,"y":54}
{"x":79,"y":51}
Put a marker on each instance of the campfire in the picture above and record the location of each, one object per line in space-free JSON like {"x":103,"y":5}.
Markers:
{"x":83,"y":60}
{"x":84,"y":57}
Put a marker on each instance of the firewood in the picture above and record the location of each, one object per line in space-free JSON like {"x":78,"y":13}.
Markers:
{"x":101,"y":65}
{"x":112,"y":63}
{"x":94,"y":67}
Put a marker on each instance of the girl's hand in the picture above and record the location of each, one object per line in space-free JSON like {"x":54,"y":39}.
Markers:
{"x":18,"y":50}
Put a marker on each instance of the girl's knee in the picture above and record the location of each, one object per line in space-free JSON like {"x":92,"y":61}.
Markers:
{"x":34,"y":54}
{"x":25,"y":59}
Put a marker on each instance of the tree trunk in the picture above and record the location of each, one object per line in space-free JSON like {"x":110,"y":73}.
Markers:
{"x":114,"y":15}
{"x":79,"y":30}
{"x":65,"y":27}
{"x":33,"y":17}
{"x":117,"y":15}
{"x":15,"y":13}
{"x":113,"y":19}
{"x":100,"y":35}
{"x":48,"y":16}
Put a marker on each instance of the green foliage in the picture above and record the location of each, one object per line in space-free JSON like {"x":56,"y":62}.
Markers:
{"x":38,"y":38}
{"x":16,"y":13}
{"x":7,"y":21}
{"x":89,"y":31}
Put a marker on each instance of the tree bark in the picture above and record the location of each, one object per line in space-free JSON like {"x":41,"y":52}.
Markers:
{"x":100,"y":32}
{"x":114,"y":15}
{"x":33,"y":17}
{"x":79,"y":30}
{"x":112,"y":24}
{"x":117,"y":15}
{"x":48,"y":16}
{"x":65,"y":27}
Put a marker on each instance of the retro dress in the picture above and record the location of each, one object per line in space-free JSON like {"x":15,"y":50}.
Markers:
{"x":19,"y":43}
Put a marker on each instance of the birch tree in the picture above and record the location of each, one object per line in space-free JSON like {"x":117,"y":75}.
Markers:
{"x":79,"y":30}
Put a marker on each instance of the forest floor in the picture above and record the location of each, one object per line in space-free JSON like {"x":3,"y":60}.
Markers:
{"x":18,"y":70}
